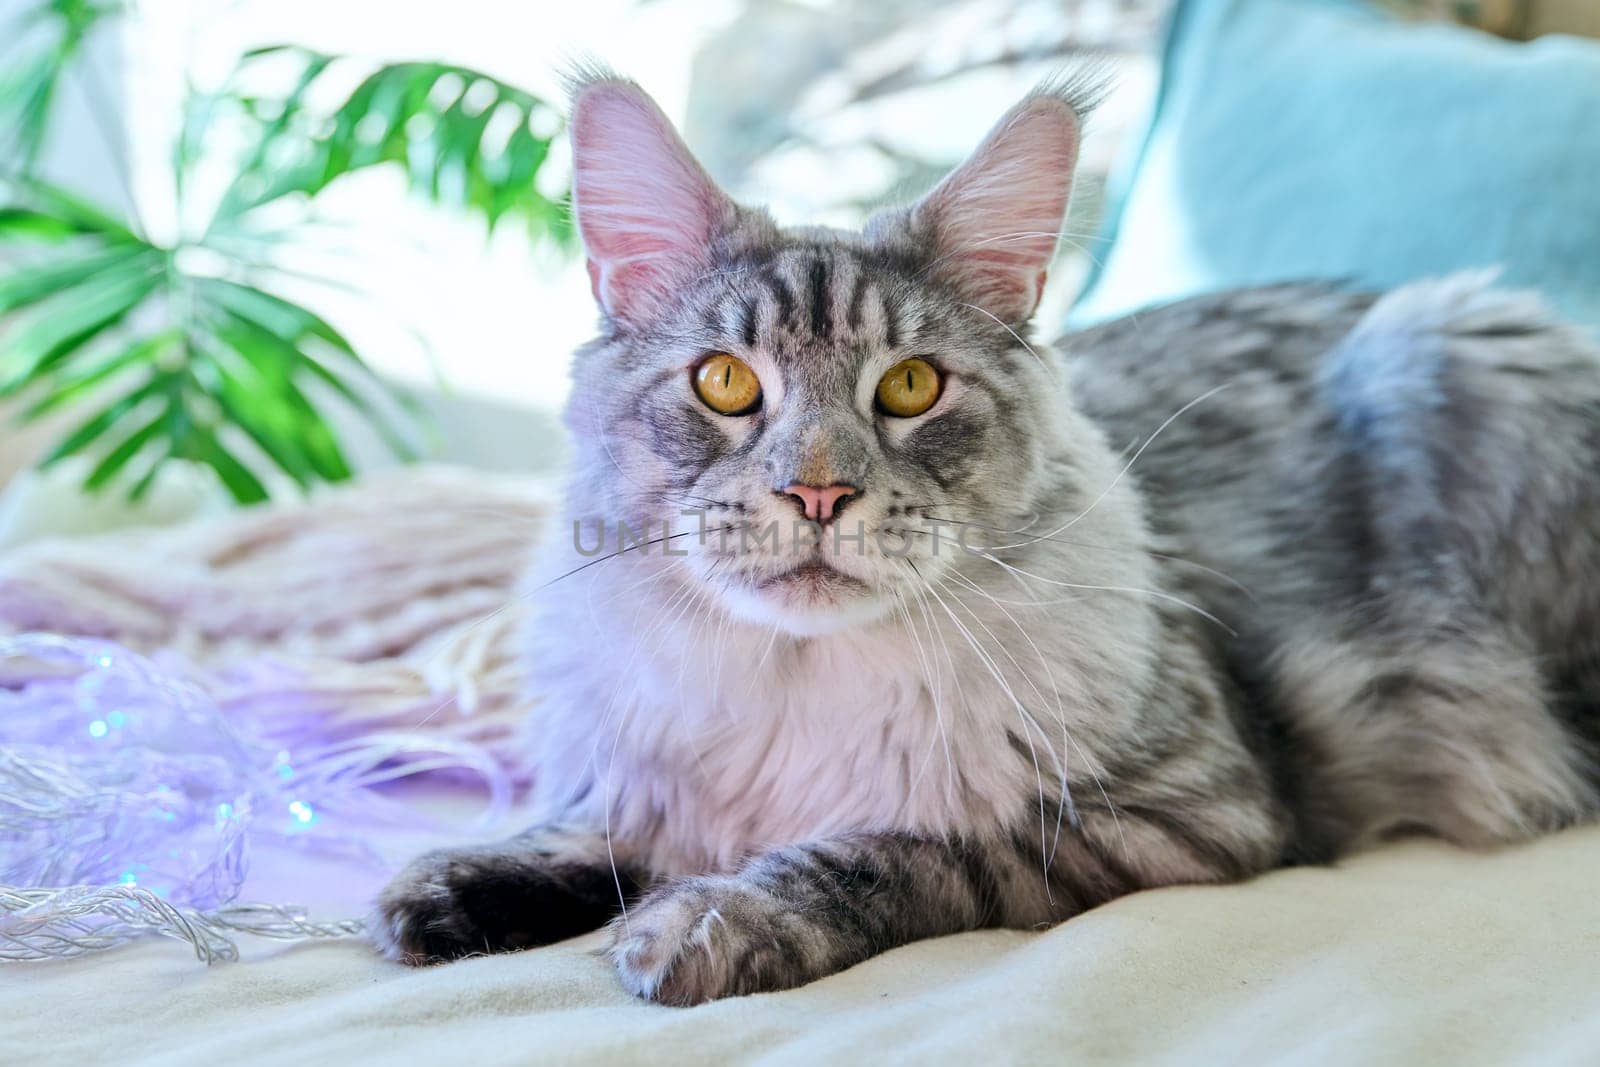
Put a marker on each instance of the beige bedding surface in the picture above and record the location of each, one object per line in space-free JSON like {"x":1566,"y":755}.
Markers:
{"x":391,"y":605}
{"x":1416,"y":953}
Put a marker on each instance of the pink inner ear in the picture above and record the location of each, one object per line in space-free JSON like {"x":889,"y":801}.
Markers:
{"x":997,"y":217}
{"x":645,"y":208}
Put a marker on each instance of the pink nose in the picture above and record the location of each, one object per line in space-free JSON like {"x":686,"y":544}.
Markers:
{"x":820,"y":504}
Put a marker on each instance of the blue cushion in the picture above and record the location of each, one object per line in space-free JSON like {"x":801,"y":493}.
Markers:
{"x":1298,"y":139}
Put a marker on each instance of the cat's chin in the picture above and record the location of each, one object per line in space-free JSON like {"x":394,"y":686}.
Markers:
{"x":807,"y":605}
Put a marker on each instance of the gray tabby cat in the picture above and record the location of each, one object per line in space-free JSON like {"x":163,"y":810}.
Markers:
{"x":1255,"y":579}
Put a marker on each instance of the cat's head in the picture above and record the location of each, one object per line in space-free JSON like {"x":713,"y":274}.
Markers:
{"x":871,"y":391}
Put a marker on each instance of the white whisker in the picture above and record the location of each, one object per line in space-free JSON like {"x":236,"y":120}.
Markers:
{"x":1132,"y":589}
{"x":1022,"y":716}
{"x":1017,"y":336}
{"x":1208,"y":394}
{"x":929,"y":674}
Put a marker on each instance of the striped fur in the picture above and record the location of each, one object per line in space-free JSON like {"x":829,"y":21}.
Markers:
{"x":1259,"y":578}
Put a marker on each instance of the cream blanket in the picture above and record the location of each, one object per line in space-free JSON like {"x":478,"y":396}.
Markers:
{"x":394,"y":601}
{"x":1417,"y":954}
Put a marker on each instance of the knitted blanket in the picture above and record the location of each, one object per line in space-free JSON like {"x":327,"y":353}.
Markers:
{"x":391,"y":603}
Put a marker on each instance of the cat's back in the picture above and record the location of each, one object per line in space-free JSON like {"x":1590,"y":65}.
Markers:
{"x":1405,"y":493}
{"x":1264,"y":342}
{"x":1215,"y":405}
{"x":1312,"y":440}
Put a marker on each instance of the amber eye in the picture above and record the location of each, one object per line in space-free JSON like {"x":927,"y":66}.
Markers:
{"x":909,"y":388}
{"x":727,"y":384}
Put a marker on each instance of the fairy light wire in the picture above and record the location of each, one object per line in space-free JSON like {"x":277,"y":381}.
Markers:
{"x":129,"y":803}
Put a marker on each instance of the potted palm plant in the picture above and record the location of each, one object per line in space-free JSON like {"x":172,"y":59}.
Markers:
{"x":184,"y":349}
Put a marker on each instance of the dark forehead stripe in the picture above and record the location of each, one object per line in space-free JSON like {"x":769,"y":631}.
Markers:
{"x":853,"y":315}
{"x":748,"y":322}
{"x":781,"y":295}
{"x":823,"y":290}
{"x":821,"y":305}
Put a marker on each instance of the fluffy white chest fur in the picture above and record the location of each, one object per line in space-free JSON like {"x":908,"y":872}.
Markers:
{"x":707,"y":744}
{"x":698,"y":739}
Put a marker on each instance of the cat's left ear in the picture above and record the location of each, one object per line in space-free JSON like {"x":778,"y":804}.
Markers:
{"x":994,"y":220}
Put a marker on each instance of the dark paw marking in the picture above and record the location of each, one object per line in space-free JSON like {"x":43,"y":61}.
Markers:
{"x":455,"y":903}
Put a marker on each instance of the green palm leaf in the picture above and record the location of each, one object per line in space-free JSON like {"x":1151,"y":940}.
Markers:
{"x":58,"y":330}
{"x":241,"y":481}
{"x":42,"y":44}
{"x":464,"y":139}
{"x":85,"y":379}
{"x":26,"y":288}
{"x":114,"y":461}
{"x":171,"y":356}
{"x":227,"y":355}
{"x":248,"y":364}
{"x":104,"y":420}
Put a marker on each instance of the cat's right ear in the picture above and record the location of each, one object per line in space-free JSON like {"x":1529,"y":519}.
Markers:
{"x":647,"y":211}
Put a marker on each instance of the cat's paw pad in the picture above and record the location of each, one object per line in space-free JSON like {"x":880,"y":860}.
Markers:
{"x":701,"y":939}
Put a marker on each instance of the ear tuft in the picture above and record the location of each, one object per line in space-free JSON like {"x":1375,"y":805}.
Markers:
{"x":995,"y":220}
{"x":647,"y":211}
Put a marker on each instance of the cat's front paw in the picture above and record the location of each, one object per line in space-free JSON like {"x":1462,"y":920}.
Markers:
{"x":701,"y":939}
{"x":423,"y":914}
{"x":467,"y":902}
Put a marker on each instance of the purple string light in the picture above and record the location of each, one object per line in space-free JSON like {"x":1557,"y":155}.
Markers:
{"x":128,"y":802}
